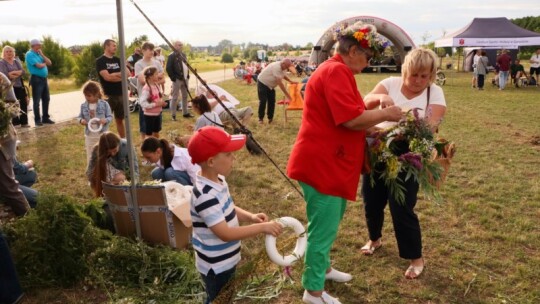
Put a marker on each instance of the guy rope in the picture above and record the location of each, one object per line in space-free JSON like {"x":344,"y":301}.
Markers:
{"x":181,"y":58}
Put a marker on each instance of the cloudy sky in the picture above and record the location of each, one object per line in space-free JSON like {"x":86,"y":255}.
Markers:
{"x":206,"y":22}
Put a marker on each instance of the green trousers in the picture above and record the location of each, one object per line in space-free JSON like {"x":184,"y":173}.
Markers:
{"x":324,"y":213}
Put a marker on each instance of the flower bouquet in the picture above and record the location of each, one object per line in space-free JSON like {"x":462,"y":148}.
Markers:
{"x":408,"y":147}
{"x":8,"y":109}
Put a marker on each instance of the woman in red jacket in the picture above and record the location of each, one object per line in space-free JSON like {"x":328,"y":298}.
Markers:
{"x":329,"y":150}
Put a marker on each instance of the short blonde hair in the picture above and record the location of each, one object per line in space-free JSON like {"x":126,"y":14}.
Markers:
{"x":418,"y":60}
{"x":7,"y":48}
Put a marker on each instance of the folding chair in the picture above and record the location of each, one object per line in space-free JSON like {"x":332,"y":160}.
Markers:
{"x":296,"y":103}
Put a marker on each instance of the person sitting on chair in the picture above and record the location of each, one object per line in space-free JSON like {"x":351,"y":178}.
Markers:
{"x":517,"y":72}
{"x":242,"y":114}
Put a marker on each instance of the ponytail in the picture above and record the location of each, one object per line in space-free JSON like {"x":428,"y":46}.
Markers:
{"x":151,"y":144}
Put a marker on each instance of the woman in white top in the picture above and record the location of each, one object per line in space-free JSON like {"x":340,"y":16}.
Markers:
{"x":173,"y":163}
{"x":415,"y":89}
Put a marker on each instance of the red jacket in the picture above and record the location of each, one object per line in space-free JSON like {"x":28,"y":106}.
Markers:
{"x":326,"y":155}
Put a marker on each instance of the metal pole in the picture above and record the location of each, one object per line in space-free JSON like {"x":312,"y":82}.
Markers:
{"x":131,"y":156}
{"x":180,"y":58}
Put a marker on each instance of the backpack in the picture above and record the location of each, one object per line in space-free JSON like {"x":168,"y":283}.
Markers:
{"x":532,"y":82}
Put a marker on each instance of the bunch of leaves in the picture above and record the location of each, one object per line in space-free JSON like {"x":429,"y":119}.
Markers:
{"x":5,"y":116}
{"x":405,"y":149}
{"x":96,"y":210}
{"x":156,"y":274}
{"x":7,"y":108}
{"x":51,"y":243}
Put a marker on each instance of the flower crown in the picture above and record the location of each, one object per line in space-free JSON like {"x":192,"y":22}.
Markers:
{"x":365,"y":34}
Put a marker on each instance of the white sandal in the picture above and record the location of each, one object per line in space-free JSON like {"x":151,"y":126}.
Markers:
{"x":416,"y":270}
{"x":369,"y":250}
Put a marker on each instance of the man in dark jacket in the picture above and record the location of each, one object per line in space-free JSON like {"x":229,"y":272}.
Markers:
{"x":179,"y":74}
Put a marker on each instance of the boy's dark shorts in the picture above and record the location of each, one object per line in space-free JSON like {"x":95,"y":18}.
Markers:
{"x":117,"y":106}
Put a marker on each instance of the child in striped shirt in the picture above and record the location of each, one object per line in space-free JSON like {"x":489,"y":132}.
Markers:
{"x":216,"y":229}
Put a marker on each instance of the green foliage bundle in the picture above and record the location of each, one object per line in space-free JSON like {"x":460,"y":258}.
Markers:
{"x":50,"y":245}
{"x":157,"y":273}
{"x":57,"y":245}
{"x":5,"y":113}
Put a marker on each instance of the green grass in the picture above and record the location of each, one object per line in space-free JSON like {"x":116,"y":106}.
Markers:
{"x":64,"y":85}
{"x":210,"y":63}
{"x":481,"y":245}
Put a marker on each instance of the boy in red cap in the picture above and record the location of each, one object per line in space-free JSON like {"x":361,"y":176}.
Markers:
{"x":216,"y":229}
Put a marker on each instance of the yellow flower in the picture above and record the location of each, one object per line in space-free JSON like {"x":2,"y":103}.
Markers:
{"x":358,"y":35}
{"x":393,"y":166}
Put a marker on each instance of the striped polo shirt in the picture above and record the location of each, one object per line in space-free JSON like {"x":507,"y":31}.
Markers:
{"x":211,"y":204}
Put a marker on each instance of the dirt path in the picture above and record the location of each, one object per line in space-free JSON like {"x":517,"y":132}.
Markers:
{"x":66,"y":106}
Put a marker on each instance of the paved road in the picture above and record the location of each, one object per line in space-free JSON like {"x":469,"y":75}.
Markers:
{"x":66,"y":106}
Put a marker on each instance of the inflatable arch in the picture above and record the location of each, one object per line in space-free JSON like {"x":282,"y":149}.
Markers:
{"x":401,"y":41}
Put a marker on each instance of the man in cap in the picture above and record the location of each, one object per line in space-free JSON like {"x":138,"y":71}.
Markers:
{"x":37,"y":63}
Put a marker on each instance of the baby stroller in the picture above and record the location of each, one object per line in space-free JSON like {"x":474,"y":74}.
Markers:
{"x":133,"y":94}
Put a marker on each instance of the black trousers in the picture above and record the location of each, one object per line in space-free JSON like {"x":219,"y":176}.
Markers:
{"x":481,"y":78}
{"x":20,"y":93}
{"x":405,"y":221}
{"x":266,"y":96}
{"x":10,"y":288}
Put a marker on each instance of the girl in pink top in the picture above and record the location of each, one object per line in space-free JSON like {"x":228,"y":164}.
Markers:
{"x":151,"y":102}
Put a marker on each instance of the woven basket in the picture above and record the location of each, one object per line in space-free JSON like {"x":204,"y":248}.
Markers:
{"x":445,"y":160}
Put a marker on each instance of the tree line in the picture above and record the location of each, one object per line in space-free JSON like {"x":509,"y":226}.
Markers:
{"x":78,"y":61}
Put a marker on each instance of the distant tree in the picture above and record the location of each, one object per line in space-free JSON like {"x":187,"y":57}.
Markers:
{"x":165,"y":47}
{"x":286,"y":47}
{"x":227,"y":58}
{"x":138,"y":41}
{"x":532,"y":24}
{"x":224,"y":46}
{"x":309,"y":46}
{"x":253,"y":55}
{"x":62,"y":61}
{"x":236,"y":51}
{"x":425,"y":37}
{"x":85,"y":67}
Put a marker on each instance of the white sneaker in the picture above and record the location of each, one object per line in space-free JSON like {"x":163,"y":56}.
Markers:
{"x":338,"y":276}
{"x":323,"y":299}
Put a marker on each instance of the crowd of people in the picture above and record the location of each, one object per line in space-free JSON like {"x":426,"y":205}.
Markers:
{"x":506,"y":69}
{"x":328,"y":168}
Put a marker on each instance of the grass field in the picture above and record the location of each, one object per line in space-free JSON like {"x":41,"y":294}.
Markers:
{"x":481,"y":245}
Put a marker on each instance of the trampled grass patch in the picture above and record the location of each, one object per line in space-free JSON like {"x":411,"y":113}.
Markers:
{"x":481,"y":244}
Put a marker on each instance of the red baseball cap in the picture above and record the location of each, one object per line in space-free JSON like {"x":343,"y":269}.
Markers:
{"x":209,"y":141}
